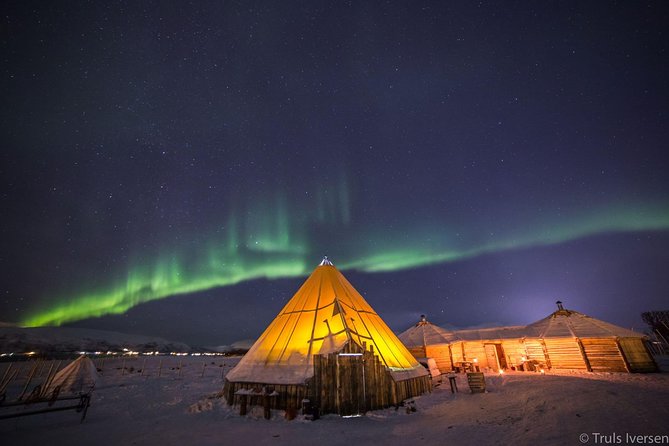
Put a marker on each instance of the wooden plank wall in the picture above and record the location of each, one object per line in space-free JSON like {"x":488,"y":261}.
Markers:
{"x":476,"y":349}
{"x":514,"y":350}
{"x":456,"y":352}
{"x":534,"y":351}
{"x":410,"y":388}
{"x":565,"y":353}
{"x":603,"y":355}
{"x":289,"y":396}
{"x":637,"y":355}
{"x":337,"y":386}
{"x":596,"y":354}
{"x":419,"y":352}
{"x":442,"y":356}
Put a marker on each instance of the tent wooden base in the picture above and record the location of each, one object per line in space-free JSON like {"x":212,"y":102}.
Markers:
{"x":348,"y":382}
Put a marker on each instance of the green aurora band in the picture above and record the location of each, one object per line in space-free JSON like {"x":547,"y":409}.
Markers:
{"x":268,"y":244}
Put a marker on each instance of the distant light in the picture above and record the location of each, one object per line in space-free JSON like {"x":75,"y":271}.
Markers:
{"x":475,"y":360}
{"x":543,"y":372}
{"x":501,"y":372}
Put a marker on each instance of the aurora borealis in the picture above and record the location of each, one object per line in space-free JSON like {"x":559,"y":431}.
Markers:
{"x":277,"y":252}
{"x":161,"y":153}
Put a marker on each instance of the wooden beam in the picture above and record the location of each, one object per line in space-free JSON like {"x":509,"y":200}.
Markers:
{"x":585,"y":357}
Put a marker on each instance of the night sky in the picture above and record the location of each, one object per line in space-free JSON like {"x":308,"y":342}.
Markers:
{"x":177,"y":169}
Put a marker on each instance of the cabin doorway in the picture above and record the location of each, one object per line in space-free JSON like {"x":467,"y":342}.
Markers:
{"x":495,"y":356}
{"x":350,"y":384}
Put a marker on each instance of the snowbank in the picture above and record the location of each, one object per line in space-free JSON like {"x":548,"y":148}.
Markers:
{"x":136,"y":406}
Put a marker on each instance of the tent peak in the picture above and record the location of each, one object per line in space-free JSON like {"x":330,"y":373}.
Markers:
{"x":561,"y":311}
{"x":422,"y":321}
{"x":325,"y":261}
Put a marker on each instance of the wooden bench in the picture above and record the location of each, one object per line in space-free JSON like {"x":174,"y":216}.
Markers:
{"x":83,"y":401}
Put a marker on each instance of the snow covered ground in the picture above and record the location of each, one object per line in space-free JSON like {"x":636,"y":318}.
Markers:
{"x":135,"y":407}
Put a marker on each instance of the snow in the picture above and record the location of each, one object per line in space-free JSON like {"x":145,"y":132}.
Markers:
{"x":180,"y":407}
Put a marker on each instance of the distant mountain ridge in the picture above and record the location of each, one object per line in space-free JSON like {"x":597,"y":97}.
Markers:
{"x":15,"y":339}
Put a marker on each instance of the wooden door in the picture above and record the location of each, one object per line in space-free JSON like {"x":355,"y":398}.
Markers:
{"x":350,"y":384}
{"x":491,"y":356}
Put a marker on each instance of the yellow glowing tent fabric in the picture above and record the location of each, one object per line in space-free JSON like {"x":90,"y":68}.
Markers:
{"x":321,"y":317}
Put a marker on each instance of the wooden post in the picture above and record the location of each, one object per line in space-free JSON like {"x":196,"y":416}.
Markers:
{"x":51,"y":376}
{"x":6,"y":372}
{"x":265,"y":400}
{"x":622,"y":354}
{"x":450,"y":356}
{"x":160,"y":367}
{"x":30,"y":378}
{"x":180,"y":364}
{"x":39,"y":368}
{"x":242,"y":404}
{"x":123,"y":368}
{"x":143,"y":367}
{"x":102,"y":366}
{"x":46,"y":382}
{"x":583,"y":355}
{"x":546,"y":357}
{"x":204,"y":364}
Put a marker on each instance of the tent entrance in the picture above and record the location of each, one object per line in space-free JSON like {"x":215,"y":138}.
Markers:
{"x":495,"y":356}
{"x":350,"y":372}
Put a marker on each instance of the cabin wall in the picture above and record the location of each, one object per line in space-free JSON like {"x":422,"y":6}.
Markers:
{"x":595,"y":354}
{"x":604,"y":355}
{"x":534,"y":351}
{"x":514,"y":350}
{"x":565,"y":353}
{"x":476,"y":350}
{"x":442,"y":356}
{"x":418,"y":351}
{"x":637,"y":355}
{"x":457,"y":352}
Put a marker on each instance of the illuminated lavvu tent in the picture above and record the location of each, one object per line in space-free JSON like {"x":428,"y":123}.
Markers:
{"x":329,"y":346}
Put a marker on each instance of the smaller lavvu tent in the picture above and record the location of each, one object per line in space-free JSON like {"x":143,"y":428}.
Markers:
{"x":426,"y":340}
{"x":78,"y":376}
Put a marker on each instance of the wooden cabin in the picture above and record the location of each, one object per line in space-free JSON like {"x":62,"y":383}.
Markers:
{"x":566,"y":340}
{"x":327,"y":346}
{"x":426,"y":340}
